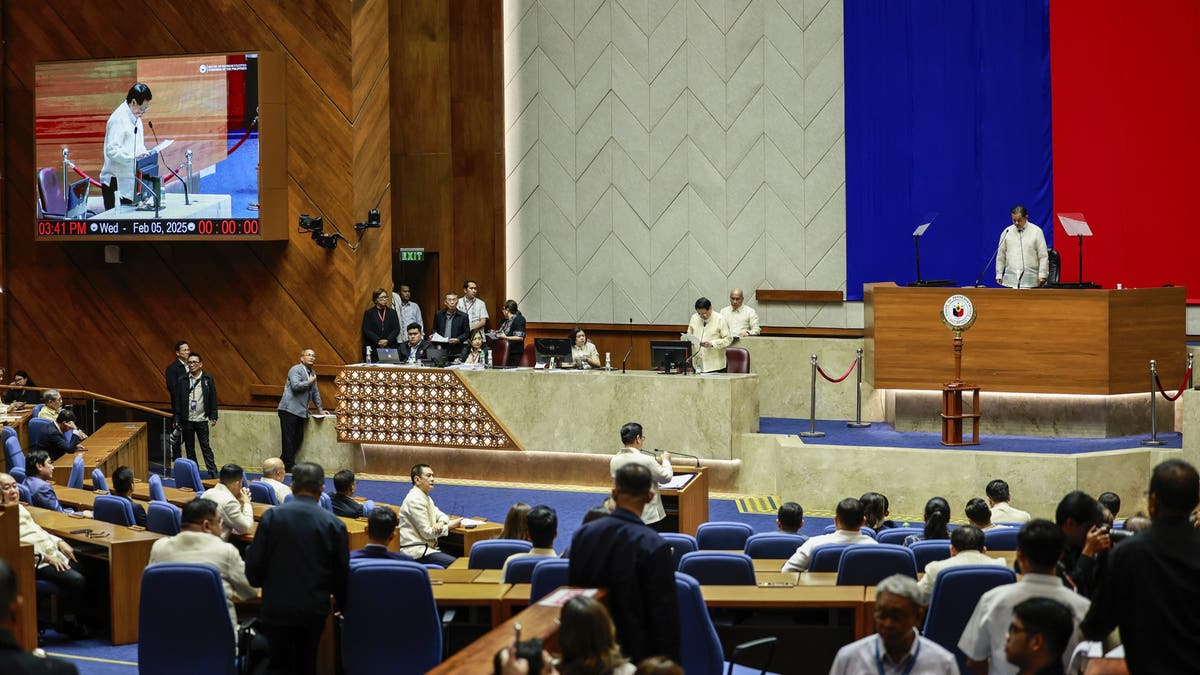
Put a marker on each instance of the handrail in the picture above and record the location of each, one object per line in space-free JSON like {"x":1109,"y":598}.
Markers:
{"x":83,"y":393}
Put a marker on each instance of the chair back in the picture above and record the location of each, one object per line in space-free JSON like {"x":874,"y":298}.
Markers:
{"x":26,"y":495}
{"x":37,"y":409}
{"x":826,"y":558}
{"x":325,"y":502}
{"x":38,"y":427}
{"x":370,"y":641}
{"x":1054,"y":266}
{"x":99,"y":482}
{"x":737,"y":360}
{"x":718,"y":568}
{"x":723,"y":536}
{"x":491,"y":554}
{"x":520,"y":571}
{"x":927,"y":551}
{"x":698,"y":642}
{"x":680,"y":543}
{"x":500,"y":353}
{"x":187,"y":475}
{"x":14,"y":456}
{"x":164,"y":518}
{"x":897,"y":535}
{"x":156,"y":488}
{"x":529,"y":357}
{"x":51,"y":201}
{"x":1001,"y":539}
{"x":75,"y":480}
{"x":773,"y":544}
{"x":869,"y":531}
{"x":184,"y":594}
{"x":956,"y":591}
{"x":868,"y":565}
{"x":548,"y":574}
{"x":112,"y":509}
{"x":262,"y":493}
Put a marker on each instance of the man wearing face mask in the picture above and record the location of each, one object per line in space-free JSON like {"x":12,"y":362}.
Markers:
{"x":124,"y":144}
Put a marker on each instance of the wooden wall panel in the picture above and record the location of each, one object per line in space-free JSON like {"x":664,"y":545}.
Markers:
{"x":249,"y":308}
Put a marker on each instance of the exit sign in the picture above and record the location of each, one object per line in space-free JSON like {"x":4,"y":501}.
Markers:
{"x":412,"y":254}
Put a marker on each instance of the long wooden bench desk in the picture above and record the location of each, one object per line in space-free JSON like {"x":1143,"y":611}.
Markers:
{"x":127,"y":551}
{"x":20,"y":557}
{"x":19,"y":421}
{"x":113,"y":445}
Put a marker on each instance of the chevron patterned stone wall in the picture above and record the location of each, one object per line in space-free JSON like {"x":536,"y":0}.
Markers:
{"x":660,"y":150}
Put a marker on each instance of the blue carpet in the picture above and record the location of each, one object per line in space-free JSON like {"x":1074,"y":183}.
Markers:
{"x":236,"y":176}
{"x":94,"y":656}
{"x":883,"y":435}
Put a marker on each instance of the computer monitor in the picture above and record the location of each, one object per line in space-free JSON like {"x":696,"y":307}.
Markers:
{"x":437,"y":356}
{"x":669,"y":356}
{"x":77,"y":198}
{"x":559,"y":348}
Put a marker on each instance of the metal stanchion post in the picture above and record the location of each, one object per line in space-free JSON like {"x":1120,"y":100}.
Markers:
{"x":812,"y":406}
{"x":858,"y":423}
{"x":1153,"y":440}
{"x":1191,"y":375}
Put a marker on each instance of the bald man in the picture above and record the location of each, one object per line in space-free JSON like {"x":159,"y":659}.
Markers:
{"x":742,"y":319}
{"x":272,"y":474}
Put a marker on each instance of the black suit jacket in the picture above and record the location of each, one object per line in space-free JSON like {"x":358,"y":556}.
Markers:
{"x":346,"y":507}
{"x":374,"y":330}
{"x":406,"y":349}
{"x":183,"y":396}
{"x":174,"y":371}
{"x":55,"y":443}
{"x":620,"y":553}
{"x":460,"y":325}
{"x":300,"y":556}
{"x":15,"y":661}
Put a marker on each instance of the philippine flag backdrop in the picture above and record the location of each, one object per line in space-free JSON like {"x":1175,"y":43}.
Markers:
{"x":967,"y":108}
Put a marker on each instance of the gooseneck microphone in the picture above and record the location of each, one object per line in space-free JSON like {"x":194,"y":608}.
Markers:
{"x":979,"y":279}
{"x":626,"y":359}
{"x":681,"y":454}
{"x":186,"y":200}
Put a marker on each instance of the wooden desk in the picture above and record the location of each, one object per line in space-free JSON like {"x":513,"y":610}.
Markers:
{"x":20,"y":557}
{"x":128,"y":553}
{"x":113,"y":445}
{"x":19,"y":421}
{"x":80,"y":499}
{"x":1037,"y":340}
{"x":472,"y":595}
{"x":801,"y":596}
{"x":688,"y":504}
{"x":466,"y":537}
{"x":455,"y":576}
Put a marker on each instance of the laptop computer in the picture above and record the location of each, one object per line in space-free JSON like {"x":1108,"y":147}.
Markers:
{"x":388,"y":355}
{"x":77,"y":199}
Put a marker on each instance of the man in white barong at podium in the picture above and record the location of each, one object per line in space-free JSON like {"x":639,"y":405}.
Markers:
{"x":1021,"y":259}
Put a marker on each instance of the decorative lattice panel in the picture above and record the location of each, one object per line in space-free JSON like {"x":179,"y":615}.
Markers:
{"x":415,"y":407}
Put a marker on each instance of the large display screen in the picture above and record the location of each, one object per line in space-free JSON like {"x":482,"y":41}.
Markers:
{"x":157,"y":148}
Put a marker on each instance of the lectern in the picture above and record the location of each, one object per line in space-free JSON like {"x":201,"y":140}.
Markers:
{"x":958,"y":314}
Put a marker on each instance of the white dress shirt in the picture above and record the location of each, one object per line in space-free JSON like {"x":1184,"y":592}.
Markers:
{"x":741,"y":320}
{"x":123,"y":143}
{"x":1021,"y":257}
{"x":236,"y":517}
{"x":1003,"y":512}
{"x":409,"y":312}
{"x":967,"y":557}
{"x":716,"y":332}
{"x":282,"y":492}
{"x":869,"y":656}
{"x":474,"y":309}
{"x":661,"y":473}
{"x":202,"y":547}
{"x":799,"y":560}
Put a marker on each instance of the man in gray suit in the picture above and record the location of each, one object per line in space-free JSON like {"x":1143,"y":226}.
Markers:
{"x":299,"y":392}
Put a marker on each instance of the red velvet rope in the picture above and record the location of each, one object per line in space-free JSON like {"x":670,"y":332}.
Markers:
{"x":91,"y":180}
{"x":847,"y":374}
{"x":170,"y":176}
{"x":1182,"y":386}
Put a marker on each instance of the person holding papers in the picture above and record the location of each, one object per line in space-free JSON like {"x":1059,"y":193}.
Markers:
{"x":513,"y":330}
{"x":710,"y":332}
{"x":449,"y":324}
{"x":1021,"y":259}
{"x":299,"y":394}
{"x":124,"y":144}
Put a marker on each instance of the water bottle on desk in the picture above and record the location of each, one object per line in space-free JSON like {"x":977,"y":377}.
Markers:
{"x":607,"y":361}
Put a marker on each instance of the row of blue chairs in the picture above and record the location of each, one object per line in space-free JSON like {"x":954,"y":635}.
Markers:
{"x":177,"y":593}
{"x":735,"y":536}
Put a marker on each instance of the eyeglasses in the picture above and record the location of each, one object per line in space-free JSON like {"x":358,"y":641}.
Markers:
{"x":193,"y":363}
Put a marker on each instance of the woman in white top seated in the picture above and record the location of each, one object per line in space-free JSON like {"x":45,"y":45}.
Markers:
{"x":583,"y":353}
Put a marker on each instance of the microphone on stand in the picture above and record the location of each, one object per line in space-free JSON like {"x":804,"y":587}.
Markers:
{"x":681,"y":454}
{"x":979,"y":279}
{"x":186,"y":200}
{"x":626,"y":359}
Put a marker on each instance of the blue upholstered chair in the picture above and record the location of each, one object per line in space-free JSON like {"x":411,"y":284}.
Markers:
{"x":699,"y":645}
{"x":38,"y":427}
{"x":826,"y":558}
{"x":164,"y":518}
{"x":115,"y":510}
{"x":520,"y":571}
{"x":927,"y":551}
{"x":325,"y":502}
{"x":187,"y":475}
{"x":867,"y":565}
{"x":156,"y":489}
{"x":75,"y":479}
{"x":37,"y":409}
{"x":262,"y":493}
{"x":491,"y":554}
{"x":370,"y":641}
{"x":680,"y":543}
{"x":723,"y":536}
{"x":773,"y":544}
{"x":26,"y":495}
{"x":99,"y":482}
{"x":1001,"y":539}
{"x":14,"y":456}
{"x":718,"y":568}
{"x":870,"y":532}
{"x":897,"y":535}
{"x":548,"y":574}
{"x":191,"y":595}
{"x":956,"y":591}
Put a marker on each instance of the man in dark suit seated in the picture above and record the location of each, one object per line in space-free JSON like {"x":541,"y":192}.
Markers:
{"x":344,"y":504}
{"x":41,"y":490}
{"x":413,"y":350}
{"x":13,"y":659}
{"x":55,"y":442}
{"x":122,"y":486}
{"x":381,"y":529}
